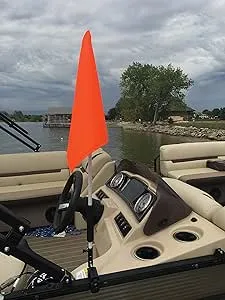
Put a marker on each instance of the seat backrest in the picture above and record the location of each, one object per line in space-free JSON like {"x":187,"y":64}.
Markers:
{"x":103,"y":168}
{"x":34,"y":167}
{"x":200,"y":202}
{"x":189,"y":155}
{"x":99,"y":159}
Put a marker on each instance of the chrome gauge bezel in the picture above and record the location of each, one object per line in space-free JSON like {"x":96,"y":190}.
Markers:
{"x":117,"y":180}
{"x":140,"y":200}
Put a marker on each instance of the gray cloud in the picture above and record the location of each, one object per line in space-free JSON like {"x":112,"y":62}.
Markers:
{"x":40,"y":43}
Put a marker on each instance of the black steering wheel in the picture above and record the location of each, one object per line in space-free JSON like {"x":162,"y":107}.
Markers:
{"x":67,"y":202}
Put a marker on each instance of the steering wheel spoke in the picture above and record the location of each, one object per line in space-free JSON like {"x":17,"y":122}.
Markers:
{"x":67,"y":202}
{"x":63,"y":206}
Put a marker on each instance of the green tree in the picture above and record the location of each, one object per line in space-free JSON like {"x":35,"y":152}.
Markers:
{"x":112,"y":114}
{"x":222,"y":113}
{"x":147,"y":90}
{"x":18,"y":116}
{"x":215,"y":112}
{"x":207,"y":112}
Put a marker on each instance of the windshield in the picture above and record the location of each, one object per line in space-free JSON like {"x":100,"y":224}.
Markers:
{"x":169,"y":207}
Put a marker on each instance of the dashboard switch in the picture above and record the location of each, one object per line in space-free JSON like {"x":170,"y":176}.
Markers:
{"x":122,"y":224}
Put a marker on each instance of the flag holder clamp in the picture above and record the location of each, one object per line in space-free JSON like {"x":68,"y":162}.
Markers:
{"x":94,"y":283}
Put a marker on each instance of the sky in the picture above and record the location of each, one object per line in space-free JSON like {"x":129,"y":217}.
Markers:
{"x":40,"y":43}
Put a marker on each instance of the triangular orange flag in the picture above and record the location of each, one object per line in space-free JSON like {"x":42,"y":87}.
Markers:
{"x":88,"y":130}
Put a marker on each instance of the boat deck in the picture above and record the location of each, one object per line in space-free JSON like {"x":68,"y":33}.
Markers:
{"x":64,"y":251}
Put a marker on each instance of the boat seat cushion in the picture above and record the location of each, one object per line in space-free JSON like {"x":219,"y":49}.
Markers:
{"x":103,"y":168}
{"x":204,"y":178}
{"x":200,"y":202}
{"x":30,"y":168}
{"x":188,"y":156}
{"x":29,"y":191}
{"x":10,"y":267}
{"x":180,"y":174}
{"x":42,"y":174}
{"x":99,"y":159}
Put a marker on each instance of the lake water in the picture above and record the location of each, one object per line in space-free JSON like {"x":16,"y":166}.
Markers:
{"x":140,"y":146}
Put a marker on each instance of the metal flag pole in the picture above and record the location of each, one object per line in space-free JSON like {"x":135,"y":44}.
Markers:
{"x":92,"y":272}
{"x":90,"y":229}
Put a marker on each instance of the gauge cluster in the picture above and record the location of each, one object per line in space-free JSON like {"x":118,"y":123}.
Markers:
{"x":134,"y":192}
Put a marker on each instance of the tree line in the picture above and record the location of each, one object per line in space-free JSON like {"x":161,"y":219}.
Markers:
{"x":18,"y":116}
{"x":149,"y":92}
{"x":216,"y":113}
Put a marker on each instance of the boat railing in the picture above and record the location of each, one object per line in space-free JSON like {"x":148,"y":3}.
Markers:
{"x":35,"y":147}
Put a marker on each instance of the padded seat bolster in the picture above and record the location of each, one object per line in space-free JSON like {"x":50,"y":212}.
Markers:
{"x":189,"y":156}
{"x":178,"y":174}
{"x":10,"y":267}
{"x":27,"y":191}
{"x":213,"y":177}
{"x":99,"y":159}
{"x":200,"y":202}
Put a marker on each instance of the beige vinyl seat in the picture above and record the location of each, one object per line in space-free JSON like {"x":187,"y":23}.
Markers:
{"x":200,"y":202}
{"x":218,"y":218}
{"x":30,"y":183}
{"x":36,"y":175}
{"x":103,"y":167}
{"x":11,"y":267}
{"x":32,"y":175}
{"x":187,"y":161}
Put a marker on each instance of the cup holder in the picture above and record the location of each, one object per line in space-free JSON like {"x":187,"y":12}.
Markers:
{"x":147,"y":253}
{"x":185,"y":236}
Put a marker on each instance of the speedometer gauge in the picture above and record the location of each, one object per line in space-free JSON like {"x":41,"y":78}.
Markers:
{"x":117,"y":180}
{"x":142,"y":203}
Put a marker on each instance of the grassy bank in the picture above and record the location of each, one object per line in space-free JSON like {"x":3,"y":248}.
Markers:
{"x":205,"y":124}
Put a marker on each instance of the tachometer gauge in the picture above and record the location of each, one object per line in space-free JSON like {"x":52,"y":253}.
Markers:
{"x":142,"y":203}
{"x":117,"y":180}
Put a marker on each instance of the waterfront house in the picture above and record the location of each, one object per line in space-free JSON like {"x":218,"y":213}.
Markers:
{"x":58,"y":117}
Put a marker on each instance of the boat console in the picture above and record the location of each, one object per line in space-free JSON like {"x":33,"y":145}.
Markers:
{"x":149,"y":220}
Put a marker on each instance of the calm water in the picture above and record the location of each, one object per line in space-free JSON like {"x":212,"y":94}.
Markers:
{"x":143,"y":147}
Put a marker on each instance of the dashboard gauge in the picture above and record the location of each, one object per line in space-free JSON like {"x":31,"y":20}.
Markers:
{"x":142,"y":203}
{"x":117,"y":180}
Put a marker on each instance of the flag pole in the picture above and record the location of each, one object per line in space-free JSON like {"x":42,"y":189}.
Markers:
{"x":90,"y":229}
{"x":92,"y":272}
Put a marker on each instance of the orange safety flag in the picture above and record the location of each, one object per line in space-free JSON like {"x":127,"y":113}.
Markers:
{"x":88,"y":130}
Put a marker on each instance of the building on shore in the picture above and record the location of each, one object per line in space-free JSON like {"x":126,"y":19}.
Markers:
{"x":57,"y":117}
{"x":179,"y":114}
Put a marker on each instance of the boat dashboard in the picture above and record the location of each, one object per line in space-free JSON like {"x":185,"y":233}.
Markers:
{"x":136,"y":194}
{"x":144,"y":198}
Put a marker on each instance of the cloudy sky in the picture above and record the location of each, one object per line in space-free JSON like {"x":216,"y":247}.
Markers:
{"x":40,"y":43}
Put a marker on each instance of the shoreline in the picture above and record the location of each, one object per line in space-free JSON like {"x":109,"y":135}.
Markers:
{"x":191,"y":131}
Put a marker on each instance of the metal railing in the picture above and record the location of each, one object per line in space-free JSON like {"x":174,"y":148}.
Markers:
{"x":21,"y":131}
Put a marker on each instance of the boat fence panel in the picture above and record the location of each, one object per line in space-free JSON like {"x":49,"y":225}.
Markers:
{"x":187,"y":285}
{"x":194,"y":284}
